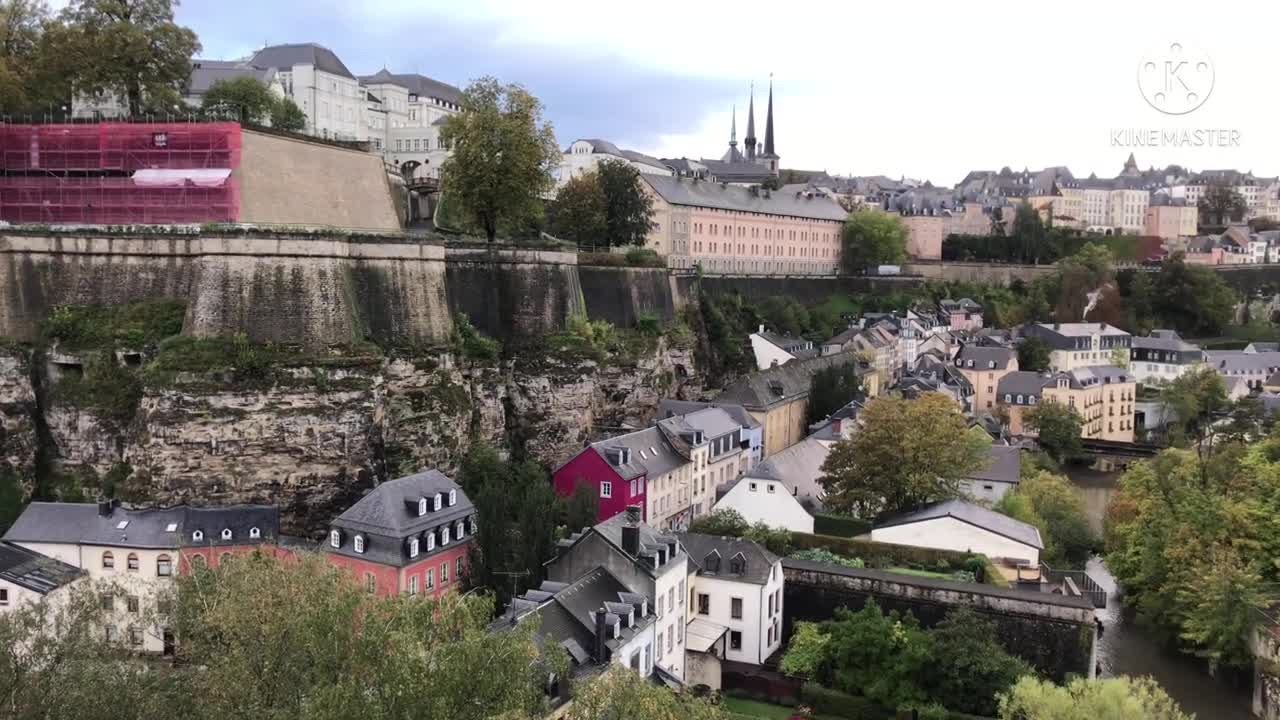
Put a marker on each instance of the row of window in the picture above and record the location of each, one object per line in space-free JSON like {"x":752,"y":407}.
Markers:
{"x":226,"y":535}
{"x":112,"y":634}
{"x":164,"y":564}
{"x":428,"y":578}
{"x":419,"y":144}
{"x":456,"y":531}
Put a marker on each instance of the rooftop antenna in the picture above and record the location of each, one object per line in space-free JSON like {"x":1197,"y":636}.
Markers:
{"x":515,"y":574}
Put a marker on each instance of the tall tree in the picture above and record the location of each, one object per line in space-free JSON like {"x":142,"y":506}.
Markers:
{"x":22,"y":25}
{"x":871,"y":237}
{"x":502,"y":157}
{"x":1050,"y":502}
{"x":1220,"y":205}
{"x":628,"y":207}
{"x":907,"y":452}
{"x":620,"y":694}
{"x":1193,"y":299}
{"x":1033,"y":354}
{"x":247,"y":98}
{"x":1122,"y":698}
{"x":970,"y":668}
{"x":132,"y":49}
{"x":1194,"y":403}
{"x":831,"y":389}
{"x":1058,"y":429}
{"x":884,"y":657}
{"x":582,"y":507}
{"x":578,"y":214}
{"x":286,"y":115}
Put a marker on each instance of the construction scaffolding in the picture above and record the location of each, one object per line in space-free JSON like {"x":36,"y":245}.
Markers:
{"x":119,"y":173}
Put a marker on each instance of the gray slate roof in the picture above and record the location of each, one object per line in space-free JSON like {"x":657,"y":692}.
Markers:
{"x":983,"y":357}
{"x":1004,"y":464}
{"x":975,"y":515}
{"x":1241,"y":362}
{"x":783,"y":383}
{"x":33,"y":571}
{"x":205,"y":73}
{"x":419,"y":85}
{"x":1022,"y":382}
{"x":1163,"y":340}
{"x":384,"y":511}
{"x":713,"y":422}
{"x":758,"y":560}
{"x":651,"y":453}
{"x":284,"y":57}
{"x":701,"y":193}
{"x":611,"y":530}
{"x":669,"y":407}
{"x":82,"y":524}
{"x":797,"y":467}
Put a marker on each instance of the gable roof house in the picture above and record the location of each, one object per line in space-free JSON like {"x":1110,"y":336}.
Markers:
{"x":964,"y":527}
{"x":640,"y":468}
{"x":407,"y":535}
{"x":27,"y":577}
{"x":649,"y":563}
{"x":1000,"y":473}
{"x":736,"y":595}
{"x":772,"y":348}
{"x":750,"y":430}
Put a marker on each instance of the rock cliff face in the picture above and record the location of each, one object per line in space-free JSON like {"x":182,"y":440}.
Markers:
{"x":314,"y":438}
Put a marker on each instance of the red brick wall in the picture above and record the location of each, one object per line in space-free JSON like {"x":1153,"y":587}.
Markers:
{"x":391,"y":580}
{"x":386,"y":578}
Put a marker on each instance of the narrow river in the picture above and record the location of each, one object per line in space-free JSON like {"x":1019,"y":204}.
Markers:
{"x":1126,"y":649}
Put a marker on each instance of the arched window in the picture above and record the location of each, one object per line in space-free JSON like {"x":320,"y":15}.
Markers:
{"x":431,"y":541}
{"x":422,"y":507}
{"x":131,"y":562}
{"x":108,"y":560}
{"x":198,"y":561}
{"x":439,"y":500}
{"x":359,"y":543}
{"x":413,"y":547}
{"x":444,"y":535}
{"x":226,"y":533}
{"x":458,"y":529}
{"x":164,"y":566}
{"x":224,"y":558}
{"x":255,"y":533}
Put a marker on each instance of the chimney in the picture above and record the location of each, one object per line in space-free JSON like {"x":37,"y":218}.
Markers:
{"x":761,"y":330}
{"x":602,"y":627}
{"x":105,"y":507}
{"x":631,"y":532}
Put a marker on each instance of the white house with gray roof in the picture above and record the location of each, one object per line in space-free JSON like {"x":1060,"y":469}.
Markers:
{"x":1163,"y":356}
{"x":735,"y":593}
{"x":1254,"y":368}
{"x":28,"y":577}
{"x":964,"y":527}
{"x":320,"y":83}
{"x":585,"y":155}
{"x":404,"y":116}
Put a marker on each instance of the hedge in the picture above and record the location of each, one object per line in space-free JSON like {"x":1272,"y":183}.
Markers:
{"x":826,"y":701}
{"x":882,"y":555}
{"x":839,"y":525}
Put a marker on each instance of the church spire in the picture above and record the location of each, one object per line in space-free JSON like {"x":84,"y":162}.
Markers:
{"x":733,"y":129}
{"x":751,"y":126}
{"x":768,"y":124}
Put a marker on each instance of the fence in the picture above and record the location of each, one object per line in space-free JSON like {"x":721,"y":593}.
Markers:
{"x":1088,"y":587}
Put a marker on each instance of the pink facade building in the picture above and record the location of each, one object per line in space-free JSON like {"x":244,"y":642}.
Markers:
{"x":619,"y":470}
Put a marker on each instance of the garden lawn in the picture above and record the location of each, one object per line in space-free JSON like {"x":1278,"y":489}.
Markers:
{"x":740,"y":709}
{"x":920,"y":573}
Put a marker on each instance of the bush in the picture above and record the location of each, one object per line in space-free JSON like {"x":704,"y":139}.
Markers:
{"x":105,"y":387}
{"x":833,"y":702}
{"x":839,"y":525}
{"x":132,"y":325}
{"x":644,"y":257}
{"x":648,"y":324}
{"x":471,"y":343}
{"x":824,"y":555}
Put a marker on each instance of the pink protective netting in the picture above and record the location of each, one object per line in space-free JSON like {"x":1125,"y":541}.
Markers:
{"x":85,"y":173}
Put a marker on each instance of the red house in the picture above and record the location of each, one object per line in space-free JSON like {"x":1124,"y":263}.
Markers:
{"x":408,"y":535}
{"x":618,"y":470}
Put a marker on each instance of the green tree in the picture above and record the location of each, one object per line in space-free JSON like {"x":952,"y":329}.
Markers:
{"x":883,"y":657}
{"x":582,"y":508}
{"x":1058,"y":429}
{"x":907,"y":452}
{"x":247,"y":97}
{"x":287,"y":116}
{"x":871,"y":238}
{"x":578,"y":213}
{"x":1220,"y":205}
{"x":1052,"y":504}
{"x":292,"y":639}
{"x":831,"y":389}
{"x":806,"y":651}
{"x":775,"y":540}
{"x":22,"y":24}
{"x":1194,"y":403}
{"x":726,"y":522}
{"x":1122,"y":698}
{"x":1192,"y":299}
{"x":970,"y":668}
{"x":620,"y":694}
{"x":628,"y":207}
{"x":12,"y":498}
{"x":502,"y":157}
{"x":1033,"y":354}
{"x":131,"y":49}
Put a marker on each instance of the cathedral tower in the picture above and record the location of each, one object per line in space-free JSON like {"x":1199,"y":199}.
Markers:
{"x":750,"y":139}
{"x":770,"y":156}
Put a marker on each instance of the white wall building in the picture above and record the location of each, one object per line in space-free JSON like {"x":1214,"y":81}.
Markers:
{"x":406,"y":112}
{"x":28,"y":577}
{"x":585,"y":155}
{"x":322,"y":86}
{"x":766,"y":501}
{"x":964,"y":527}
{"x":737,"y":585}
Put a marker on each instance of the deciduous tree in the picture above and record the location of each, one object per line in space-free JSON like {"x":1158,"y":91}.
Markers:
{"x":1122,"y":698}
{"x":246,"y":98}
{"x":1221,"y":204}
{"x":1050,"y":502}
{"x":869,"y":238}
{"x":884,"y":657}
{"x":1033,"y":354}
{"x":621,"y":694}
{"x":131,"y":49}
{"x":907,"y":452}
{"x":1058,"y":427}
{"x":628,"y":208}
{"x":970,"y":668}
{"x":578,"y":214}
{"x":502,"y":157}
{"x":286,"y":115}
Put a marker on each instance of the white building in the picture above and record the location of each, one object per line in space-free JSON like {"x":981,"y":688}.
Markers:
{"x":735,"y":588}
{"x":404,"y":116}
{"x":766,"y":501}
{"x":963,"y":527}
{"x":322,"y":86}
{"x":1000,"y":474}
{"x":204,"y":73}
{"x":585,"y":155}
{"x":1162,"y":356}
{"x":772,"y":348}
{"x":28,"y":577}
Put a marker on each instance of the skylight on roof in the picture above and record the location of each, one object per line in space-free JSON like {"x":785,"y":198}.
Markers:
{"x":171,"y":527}
{"x":122,"y":524}
{"x":652,"y":450}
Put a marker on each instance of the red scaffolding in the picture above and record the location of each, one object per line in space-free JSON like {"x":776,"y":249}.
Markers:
{"x":120,"y":173}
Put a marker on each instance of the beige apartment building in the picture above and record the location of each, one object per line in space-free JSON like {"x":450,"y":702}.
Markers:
{"x":729,"y":229}
{"x":1169,"y":222}
{"x":984,"y":367}
{"x":1101,"y":395}
{"x":1076,"y":345}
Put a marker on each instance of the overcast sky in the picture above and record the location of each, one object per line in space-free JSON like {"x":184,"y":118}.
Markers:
{"x":924,"y":90}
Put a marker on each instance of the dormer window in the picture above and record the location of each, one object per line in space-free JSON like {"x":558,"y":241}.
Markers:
{"x":197,"y":536}
{"x":422,"y":507}
{"x":444,"y":535}
{"x":335,"y":538}
{"x":359,"y":543}
{"x":458,"y":529}
{"x":712,"y":561}
{"x":738,"y":564}
{"x":453,"y":498}
{"x":413,"y":547}
{"x":439,"y":500}
{"x":631,"y":618}
{"x":254,"y":533}
{"x":226,"y":533}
